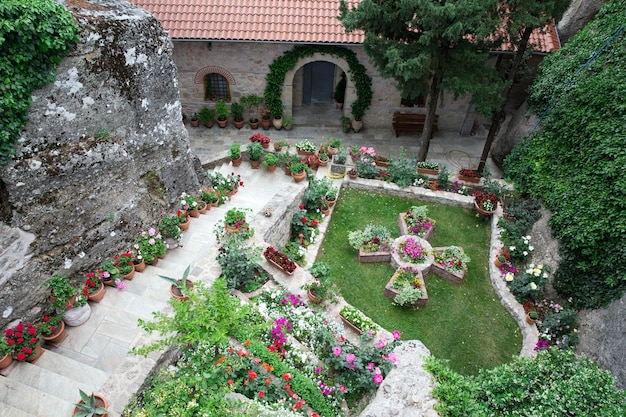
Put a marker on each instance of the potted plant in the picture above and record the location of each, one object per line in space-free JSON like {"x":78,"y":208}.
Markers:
{"x":210,"y":197}
{"x":279,"y":260}
{"x":235,"y":154}
{"x":62,"y":294}
{"x":266,"y":119}
{"x":346,"y":124}
{"x":255,"y":151}
{"x":195,"y":120}
{"x":338,"y":167}
{"x":288,"y":123}
{"x":322,"y":158}
{"x":190,"y":203}
{"x":485,"y":203}
{"x":5,"y":353}
{"x":52,"y":328}
{"x":353,"y":173}
{"x":358,"y":110}
{"x":502,"y":257}
{"x":278,"y":146}
{"x":179,"y":287}
{"x":111,"y":276}
{"x":532,"y":317}
{"x":356,"y":320}
{"x":260,"y":138}
{"x":305,"y":147}
{"x":334,"y":145}
{"x":468,"y":175}
{"x":298,"y":170}
{"x":94,"y":287}
{"x":90,"y":405}
{"x":125,"y":263}
{"x":235,"y":223}
{"x":320,"y":289}
{"x":411,"y":250}
{"x":331,"y":195}
{"x":249,"y":102}
{"x":236,"y":111}
{"x":270,"y":161}
{"x":428,"y":167}
{"x":169,"y":226}
{"x":207,"y":116}
{"x":222,"y":113}
{"x":151,"y":245}
{"x":23,"y":340}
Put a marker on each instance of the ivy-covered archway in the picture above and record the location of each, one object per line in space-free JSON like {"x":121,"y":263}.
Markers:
{"x":357,"y":75}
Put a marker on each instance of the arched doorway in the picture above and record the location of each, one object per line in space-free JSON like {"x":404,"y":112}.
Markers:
{"x":318,"y":82}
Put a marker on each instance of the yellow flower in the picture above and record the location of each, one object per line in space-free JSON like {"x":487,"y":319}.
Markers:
{"x":533,"y":286}
{"x":509,"y":277}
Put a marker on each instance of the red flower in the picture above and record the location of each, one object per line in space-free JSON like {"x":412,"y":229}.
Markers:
{"x":286,"y":376}
{"x":267,"y":381}
{"x":231,"y":382}
{"x":252,"y":374}
{"x":20,"y":357}
{"x":301,"y":207}
{"x":261,"y":394}
{"x":247,"y":343}
{"x":303,"y":220}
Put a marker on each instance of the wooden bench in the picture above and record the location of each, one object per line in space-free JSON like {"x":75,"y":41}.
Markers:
{"x":411,"y":122}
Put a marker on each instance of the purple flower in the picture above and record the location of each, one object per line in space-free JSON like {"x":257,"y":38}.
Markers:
{"x":337,"y":351}
{"x":350,"y":358}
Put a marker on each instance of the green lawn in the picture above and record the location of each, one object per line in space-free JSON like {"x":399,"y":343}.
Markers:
{"x":466,"y":323}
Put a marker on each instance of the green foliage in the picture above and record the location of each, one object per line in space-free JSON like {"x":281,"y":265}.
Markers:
{"x":87,"y":407}
{"x":206,"y":115}
{"x":289,"y":59}
{"x":236,"y":110}
{"x":403,"y":169}
{"x":210,"y":314}
{"x":34,"y":37}
{"x":61,"y":290}
{"x":555,"y":383}
{"x":239,"y":262}
{"x":575,"y":163}
{"x":169,"y":226}
{"x":270,"y":159}
{"x":255,"y":151}
{"x":222,"y":110}
{"x":315,"y":192}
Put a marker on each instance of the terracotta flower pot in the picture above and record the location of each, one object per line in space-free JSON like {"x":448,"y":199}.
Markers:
{"x":176,"y":293}
{"x":59,"y":336}
{"x":101,"y":402}
{"x":5,"y":361}
{"x":97,"y":296}
{"x":312,"y":297}
{"x":299,"y":177}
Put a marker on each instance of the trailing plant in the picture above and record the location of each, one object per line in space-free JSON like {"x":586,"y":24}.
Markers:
{"x":35,"y":37}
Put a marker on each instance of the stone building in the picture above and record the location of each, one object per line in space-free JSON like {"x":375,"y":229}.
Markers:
{"x":231,"y":45}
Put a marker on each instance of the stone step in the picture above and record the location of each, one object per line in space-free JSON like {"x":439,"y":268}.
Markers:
{"x":69,"y":368}
{"x":51,"y":382}
{"x":33,"y":402}
{"x":8,"y":411}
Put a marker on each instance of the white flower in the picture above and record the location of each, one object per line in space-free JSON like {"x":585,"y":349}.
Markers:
{"x":525,"y":253}
{"x":530,"y":248}
{"x":112,"y":234}
{"x":545,"y":275}
{"x":509,"y":277}
{"x":512,"y":248}
{"x":533,"y":286}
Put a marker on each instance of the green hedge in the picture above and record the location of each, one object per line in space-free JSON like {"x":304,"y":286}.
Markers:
{"x":575,"y":162}
{"x":34,"y":37}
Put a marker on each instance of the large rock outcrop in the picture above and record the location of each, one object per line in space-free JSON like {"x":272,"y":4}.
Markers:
{"x":103,"y":156}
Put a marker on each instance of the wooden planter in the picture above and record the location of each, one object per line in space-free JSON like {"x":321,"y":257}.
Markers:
{"x":404,"y":227}
{"x":371,"y":257}
{"x":272,"y":262}
{"x":427,"y":171}
{"x":454,"y":277}
{"x":391,"y":292}
{"x":350,"y":325}
{"x":474,"y":180}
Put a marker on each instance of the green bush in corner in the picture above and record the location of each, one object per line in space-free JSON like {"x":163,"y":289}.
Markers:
{"x":34,"y":37}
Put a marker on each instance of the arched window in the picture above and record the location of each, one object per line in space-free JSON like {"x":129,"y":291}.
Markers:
{"x":216,"y":87}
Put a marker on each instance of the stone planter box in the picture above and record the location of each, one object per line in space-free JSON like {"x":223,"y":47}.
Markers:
{"x":391,"y":292}
{"x":371,"y":257}
{"x":404,"y":227}
{"x":335,"y":170}
{"x":454,"y":277}
{"x":427,"y":171}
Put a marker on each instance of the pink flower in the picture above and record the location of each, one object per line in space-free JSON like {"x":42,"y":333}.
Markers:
{"x":370,"y":366}
{"x":378,"y":378}
{"x":151,"y":241}
{"x":380,"y":344}
{"x":342,"y":388}
{"x":120,"y":284}
{"x":392,"y":357}
{"x":151,"y":231}
{"x":350,"y":358}
{"x":396,"y":335}
{"x":337,"y":351}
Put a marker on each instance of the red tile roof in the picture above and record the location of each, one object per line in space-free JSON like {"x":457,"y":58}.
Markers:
{"x":296,"y":21}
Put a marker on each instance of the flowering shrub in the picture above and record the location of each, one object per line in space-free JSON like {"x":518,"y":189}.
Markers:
{"x":225,"y":185}
{"x":306,"y":146}
{"x":49,"y":325}
{"x":124,"y":262}
{"x":452,"y":259}
{"x":304,"y":227}
{"x":556,"y":324}
{"x":23,"y":339}
{"x":411,"y":251}
{"x":188,"y":202}
{"x":529,"y":283}
{"x":93,"y":282}
{"x":417,"y":221}
{"x":234,"y":222}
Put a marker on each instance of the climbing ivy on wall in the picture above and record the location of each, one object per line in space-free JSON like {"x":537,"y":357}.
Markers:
{"x":279,"y":67}
{"x":576,"y":162}
{"x":34,"y":37}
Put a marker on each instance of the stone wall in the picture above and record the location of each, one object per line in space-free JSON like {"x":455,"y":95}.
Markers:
{"x":83,"y":197}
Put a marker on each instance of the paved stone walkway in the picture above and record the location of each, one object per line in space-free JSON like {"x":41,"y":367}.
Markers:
{"x":95,"y":355}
